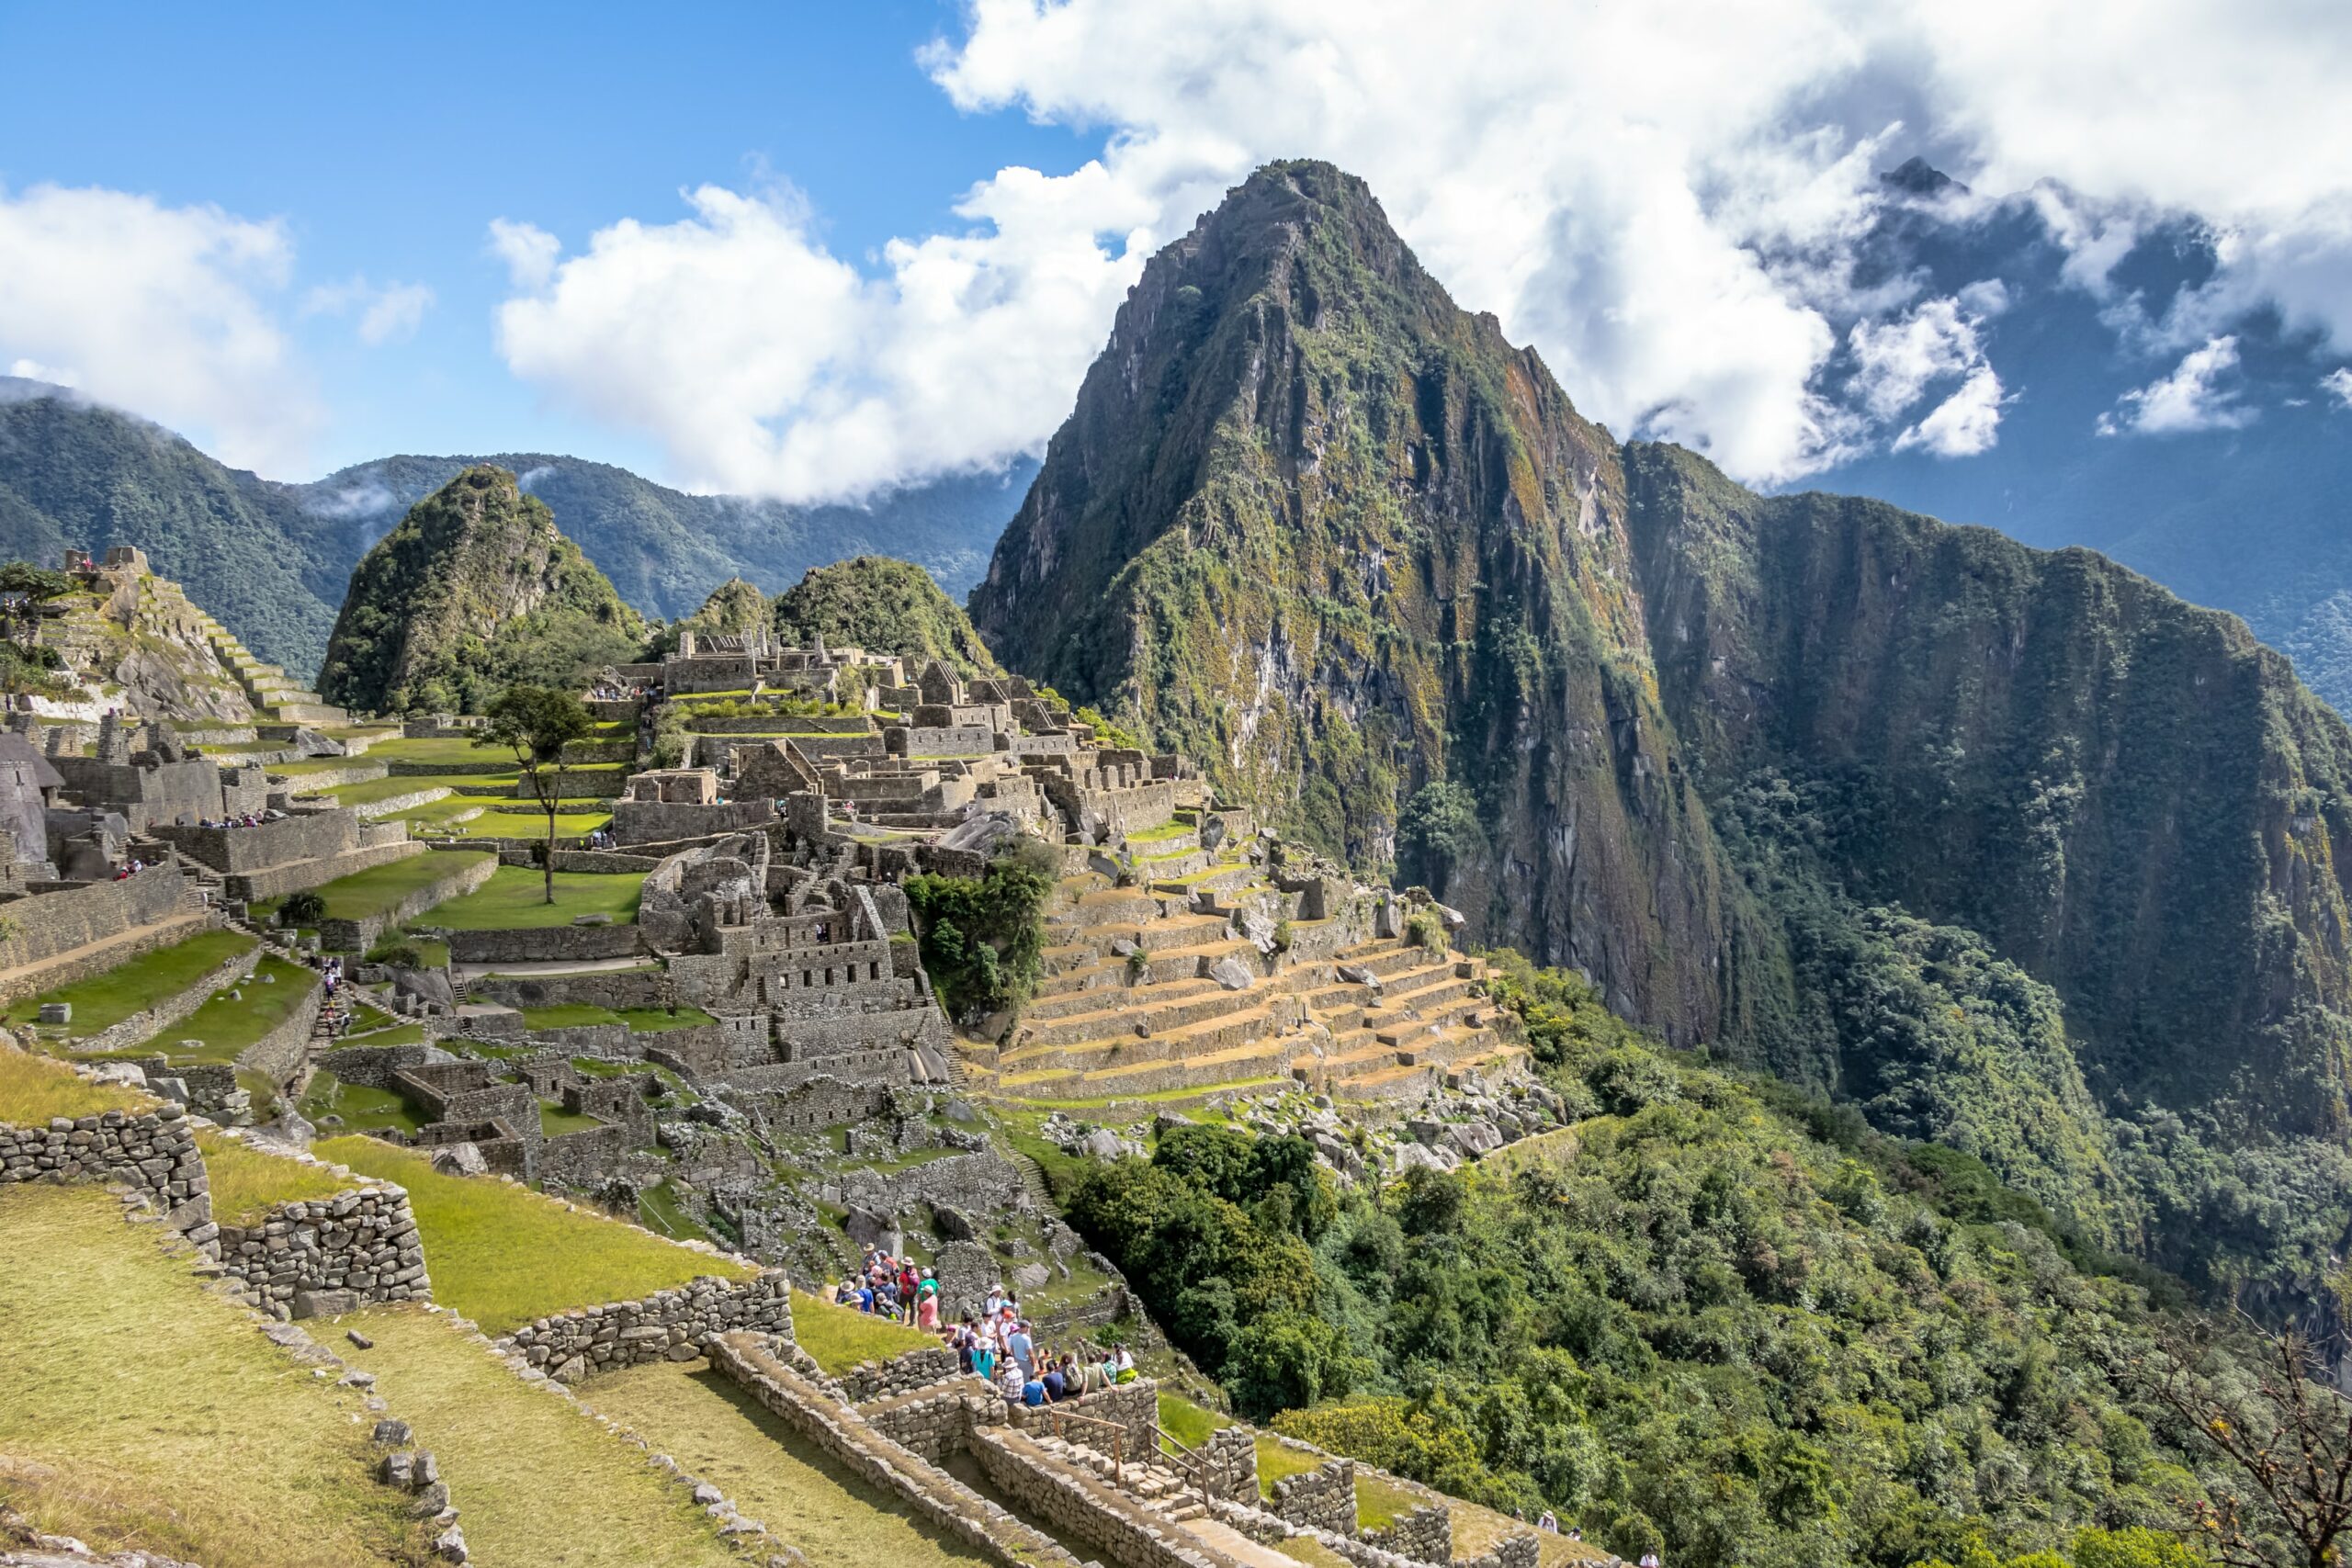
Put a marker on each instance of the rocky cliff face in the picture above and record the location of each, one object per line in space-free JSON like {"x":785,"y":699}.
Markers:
{"x":1320,"y":528}
{"x":2015,"y":848}
{"x":473,"y":591}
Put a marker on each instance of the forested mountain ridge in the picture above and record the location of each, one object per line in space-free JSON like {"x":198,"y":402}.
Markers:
{"x":273,"y":559}
{"x":474,"y":591}
{"x":2015,"y":849}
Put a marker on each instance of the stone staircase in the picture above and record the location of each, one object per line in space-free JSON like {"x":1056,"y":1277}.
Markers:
{"x":277,"y":698}
{"x":1129,"y":1009}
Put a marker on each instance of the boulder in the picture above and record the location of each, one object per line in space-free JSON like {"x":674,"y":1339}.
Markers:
{"x":866,"y":1228}
{"x":1257,"y":930}
{"x":324,"y":1303}
{"x":1474,"y":1137}
{"x":1212,"y":832}
{"x":460,"y":1159}
{"x":1031,"y":1277}
{"x":1104,"y":1143}
{"x":596,"y":919}
{"x":953,"y":1225}
{"x":1228,"y":973}
{"x":311,"y":743}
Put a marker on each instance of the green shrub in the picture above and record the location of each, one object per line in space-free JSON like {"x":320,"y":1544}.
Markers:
{"x":303,"y":908}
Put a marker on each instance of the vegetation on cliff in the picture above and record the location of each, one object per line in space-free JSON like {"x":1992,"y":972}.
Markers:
{"x":883,"y":606}
{"x":1689,"y":1322}
{"x":475,"y":590}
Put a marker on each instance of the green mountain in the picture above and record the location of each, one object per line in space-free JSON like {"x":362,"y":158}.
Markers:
{"x":883,"y":606}
{"x":272,"y":560}
{"x":2014,"y":848}
{"x":474,"y":591}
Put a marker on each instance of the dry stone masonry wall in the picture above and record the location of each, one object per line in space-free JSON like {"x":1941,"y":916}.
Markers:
{"x":329,"y":1256}
{"x":1323,"y":1498}
{"x":675,"y":1325}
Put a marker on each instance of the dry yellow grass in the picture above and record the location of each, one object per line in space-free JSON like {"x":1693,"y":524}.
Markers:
{"x":248,"y":1183}
{"x":772,"y":1473}
{"x":540,"y":1482}
{"x":140,"y":1411}
{"x":34,"y":1088}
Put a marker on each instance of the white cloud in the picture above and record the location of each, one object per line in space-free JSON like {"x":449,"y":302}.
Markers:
{"x":34,"y":370}
{"x":2194,"y":397}
{"x":1663,"y":199}
{"x":2337,"y":384}
{"x":164,"y":310}
{"x":391,"y":313}
{"x":1963,"y":424}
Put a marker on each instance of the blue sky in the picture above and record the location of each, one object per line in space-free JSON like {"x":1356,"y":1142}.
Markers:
{"x":388,"y":139}
{"x":816,"y":252}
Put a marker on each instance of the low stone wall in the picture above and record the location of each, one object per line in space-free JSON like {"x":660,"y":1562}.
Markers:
{"x":606,"y":862}
{"x":615,"y":988}
{"x":935,"y":1421}
{"x":884,"y":1463}
{"x":279,"y":881}
{"x":1132,"y":1408}
{"x":397,"y":803}
{"x":1425,"y":1534}
{"x":329,"y":1256}
{"x":131,"y":1030}
{"x":900,"y":1374}
{"x":1231,"y":1458}
{"x":1080,"y":1503}
{"x":541,"y":944}
{"x":674,"y":1325}
{"x":1323,"y":1498}
{"x":152,"y":1150}
{"x":277,"y":1056}
{"x":372,"y":1066}
{"x":359,"y":936}
{"x":50,"y":923}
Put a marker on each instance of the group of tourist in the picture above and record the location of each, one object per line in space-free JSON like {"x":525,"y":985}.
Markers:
{"x":997,"y":1344}
{"x":602,"y":839}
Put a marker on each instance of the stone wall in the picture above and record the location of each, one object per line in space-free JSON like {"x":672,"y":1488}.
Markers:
{"x":277,"y":1056}
{"x":1133,"y":1408}
{"x":372,"y":1066}
{"x":582,"y":1158}
{"x":900,"y":1374}
{"x":546,"y":945}
{"x":140,"y":1025}
{"x":1079,"y":1504}
{"x":382,"y":842}
{"x":674,"y":1325}
{"x":72,"y":915}
{"x":1425,"y":1534}
{"x":659,"y":821}
{"x":934,"y":1421}
{"x":154,"y":1151}
{"x":1230,"y":1456}
{"x":317,"y":835}
{"x":329,"y":1256}
{"x":1322,"y":1498}
{"x":882,"y":1462}
{"x":615,"y":988}
{"x":465,"y":874}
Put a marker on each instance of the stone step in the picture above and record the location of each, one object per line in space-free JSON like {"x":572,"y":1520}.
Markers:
{"x":1264,"y":1058}
{"x":1106,"y":998}
{"x":1190,"y":1005}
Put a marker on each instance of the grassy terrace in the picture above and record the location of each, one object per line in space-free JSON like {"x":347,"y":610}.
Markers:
{"x":525,"y":825}
{"x":555,"y":1121}
{"x":713,"y":1429}
{"x":375,"y":892}
{"x":840,"y":1337}
{"x":542,"y":1484}
{"x":247,"y":1183}
{"x":658,"y":1210}
{"x":34,"y":1088}
{"x":640,"y":1021}
{"x":514,"y":898}
{"x":354,"y":1107}
{"x":1277,"y":1461}
{"x":456,"y":754}
{"x":368,"y":792}
{"x":105,"y":1000}
{"x":210,"y":1444}
{"x":227,"y":1023}
{"x":1188,"y":1422}
{"x":502,"y":1255}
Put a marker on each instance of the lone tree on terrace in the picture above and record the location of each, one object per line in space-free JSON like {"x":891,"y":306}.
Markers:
{"x":24,"y":589}
{"x":537,"y":723}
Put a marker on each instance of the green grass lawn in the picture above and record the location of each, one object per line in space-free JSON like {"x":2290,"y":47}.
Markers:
{"x":840,"y":1337}
{"x":514,"y":898}
{"x":1380,"y":1504}
{"x":358,"y":1107}
{"x":504,"y":1255}
{"x":658,"y":1208}
{"x":526,"y":825}
{"x":375,"y":892}
{"x":247,"y":1183}
{"x":555,"y":1121}
{"x":717,"y":1431}
{"x":211,"y":1444}
{"x":34,"y":1088}
{"x":640,"y":1021}
{"x":1276,"y":1462}
{"x":457,"y":754}
{"x":105,"y":1000}
{"x":1188,"y":1422}
{"x":227,"y":1024}
{"x":543,"y":1484}
{"x":432,"y":953}
{"x":368,"y":792}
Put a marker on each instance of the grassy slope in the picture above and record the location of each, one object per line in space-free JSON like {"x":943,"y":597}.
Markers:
{"x":33,"y":1090}
{"x":503,"y":1255}
{"x":138,"y":1410}
{"x":514,"y":898}
{"x":227,"y":1024}
{"x":772,"y":1473}
{"x":541,"y":1485}
{"x":103,"y":1001}
{"x":379,"y":888}
{"x":840,"y":1337}
{"x":247,"y":1182}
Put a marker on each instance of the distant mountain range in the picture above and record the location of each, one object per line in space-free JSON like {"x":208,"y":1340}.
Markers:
{"x":273,"y":561}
